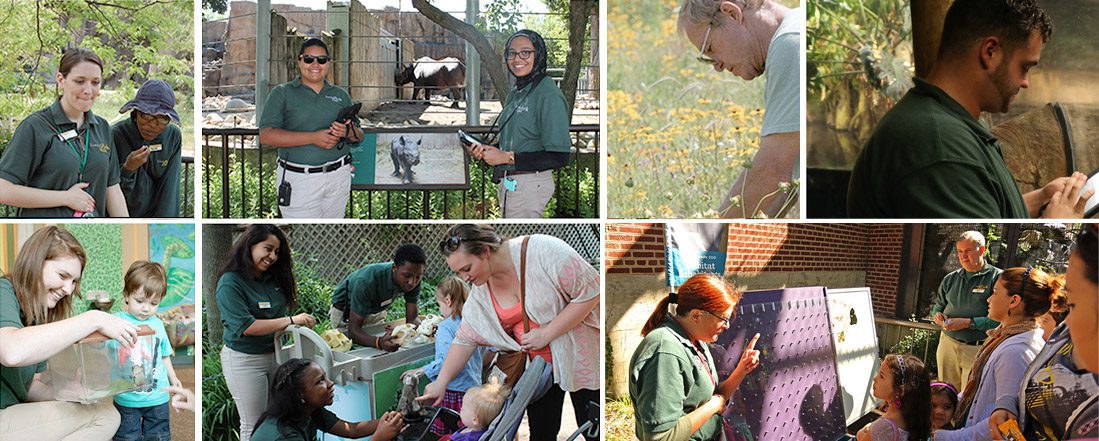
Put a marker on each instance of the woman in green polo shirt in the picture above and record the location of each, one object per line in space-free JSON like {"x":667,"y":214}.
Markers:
{"x":534,"y":132}
{"x":254,"y":292}
{"x":59,"y":162}
{"x":299,"y":119}
{"x":299,"y":393}
{"x":674,"y":385}
{"x":35,"y":305}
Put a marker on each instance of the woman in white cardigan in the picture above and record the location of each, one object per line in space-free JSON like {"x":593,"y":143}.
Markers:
{"x":561,"y":301}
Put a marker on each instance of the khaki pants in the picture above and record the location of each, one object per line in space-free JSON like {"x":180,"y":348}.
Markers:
{"x":59,"y":420}
{"x":316,"y":195}
{"x":340,"y":322}
{"x":248,"y":377}
{"x":955,"y":360}
{"x":532,"y":192}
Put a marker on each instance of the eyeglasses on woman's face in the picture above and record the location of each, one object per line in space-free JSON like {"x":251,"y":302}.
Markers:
{"x":523,"y":55}
{"x":146,"y":118}
{"x":726,"y":320}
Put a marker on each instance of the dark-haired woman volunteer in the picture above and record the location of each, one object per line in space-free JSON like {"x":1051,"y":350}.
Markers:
{"x":534,"y":132}
{"x":59,"y":162}
{"x":314,"y":167}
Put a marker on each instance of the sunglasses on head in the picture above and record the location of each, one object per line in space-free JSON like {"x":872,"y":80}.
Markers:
{"x":451,"y":243}
{"x":309,"y":59}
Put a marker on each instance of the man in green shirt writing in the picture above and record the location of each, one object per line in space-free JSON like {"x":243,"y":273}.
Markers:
{"x":930,"y":157}
{"x":961,"y":308}
{"x":364,"y":296}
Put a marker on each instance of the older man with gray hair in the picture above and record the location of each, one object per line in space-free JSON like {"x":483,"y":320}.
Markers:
{"x":961,"y":308}
{"x":746,"y":38}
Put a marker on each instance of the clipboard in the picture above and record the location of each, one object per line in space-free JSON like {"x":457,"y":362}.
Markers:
{"x":1091,"y":207}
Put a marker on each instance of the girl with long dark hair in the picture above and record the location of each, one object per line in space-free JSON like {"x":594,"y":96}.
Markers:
{"x":255,"y":291}
{"x":904,"y":384}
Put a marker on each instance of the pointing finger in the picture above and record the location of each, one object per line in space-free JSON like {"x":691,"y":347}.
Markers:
{"x":752,"y":344}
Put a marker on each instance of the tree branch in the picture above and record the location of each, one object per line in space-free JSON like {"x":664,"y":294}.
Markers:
{"x":41,"y":45}
{"x":490,"y":59}
{"x":579,"y":14}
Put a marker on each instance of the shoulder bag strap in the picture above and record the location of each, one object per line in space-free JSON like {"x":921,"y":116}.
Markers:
{"x":523,"y":284}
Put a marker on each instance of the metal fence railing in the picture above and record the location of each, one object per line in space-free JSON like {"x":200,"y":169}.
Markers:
{"x":186,"y":192}
{"x":923,"y":338}
{"x":239,"y":181}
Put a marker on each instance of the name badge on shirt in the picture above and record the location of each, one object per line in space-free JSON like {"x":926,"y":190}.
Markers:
{"x":67,"y":135}
{"x":386,"y":303}
{"x":980,"y":289}
{"x":156,"y":147}
{"x":264,"y":305}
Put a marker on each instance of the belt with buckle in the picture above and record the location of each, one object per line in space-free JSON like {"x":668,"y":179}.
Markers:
{"x":975,"y":343}
{"x":318,"y":169}
{"x":523,"y":172}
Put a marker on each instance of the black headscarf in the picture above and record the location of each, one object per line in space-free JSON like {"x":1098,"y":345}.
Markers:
{"x":540,"y":56}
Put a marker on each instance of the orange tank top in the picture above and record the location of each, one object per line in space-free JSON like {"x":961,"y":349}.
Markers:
{"x":512,"y":321}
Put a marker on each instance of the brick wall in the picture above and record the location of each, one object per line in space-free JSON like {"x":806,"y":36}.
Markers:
{"x":635,"y":248}
{"x":883,"y":268}
{"x":758,"y":248}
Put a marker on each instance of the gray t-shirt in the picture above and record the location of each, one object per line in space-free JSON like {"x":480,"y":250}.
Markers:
{"x":782,"y":94}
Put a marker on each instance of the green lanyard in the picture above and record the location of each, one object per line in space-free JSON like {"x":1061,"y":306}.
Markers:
{"x":84,"y":157}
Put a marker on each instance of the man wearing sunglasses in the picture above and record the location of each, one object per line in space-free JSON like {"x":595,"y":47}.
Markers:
{"x":150,"y":150}
{"x":748,"y":38}
{"x":299,"y":118}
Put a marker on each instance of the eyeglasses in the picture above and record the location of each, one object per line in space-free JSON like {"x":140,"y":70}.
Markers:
{"x":523,"y":55}
{"x":146,"y":118}
{"x":309,"y":59}
{"x":727,"y":320}
{"x":702,"y":49}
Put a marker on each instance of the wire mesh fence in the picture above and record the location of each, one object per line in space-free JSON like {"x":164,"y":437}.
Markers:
{"x":335,"y":250}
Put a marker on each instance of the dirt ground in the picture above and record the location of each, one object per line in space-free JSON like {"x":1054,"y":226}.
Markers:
{"x":568,"y":424}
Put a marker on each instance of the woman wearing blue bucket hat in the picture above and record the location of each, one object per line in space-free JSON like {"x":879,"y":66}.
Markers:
{"x":149,"y":149}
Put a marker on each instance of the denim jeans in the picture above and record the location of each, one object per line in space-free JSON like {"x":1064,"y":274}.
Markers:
{"x":143,"y":423}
